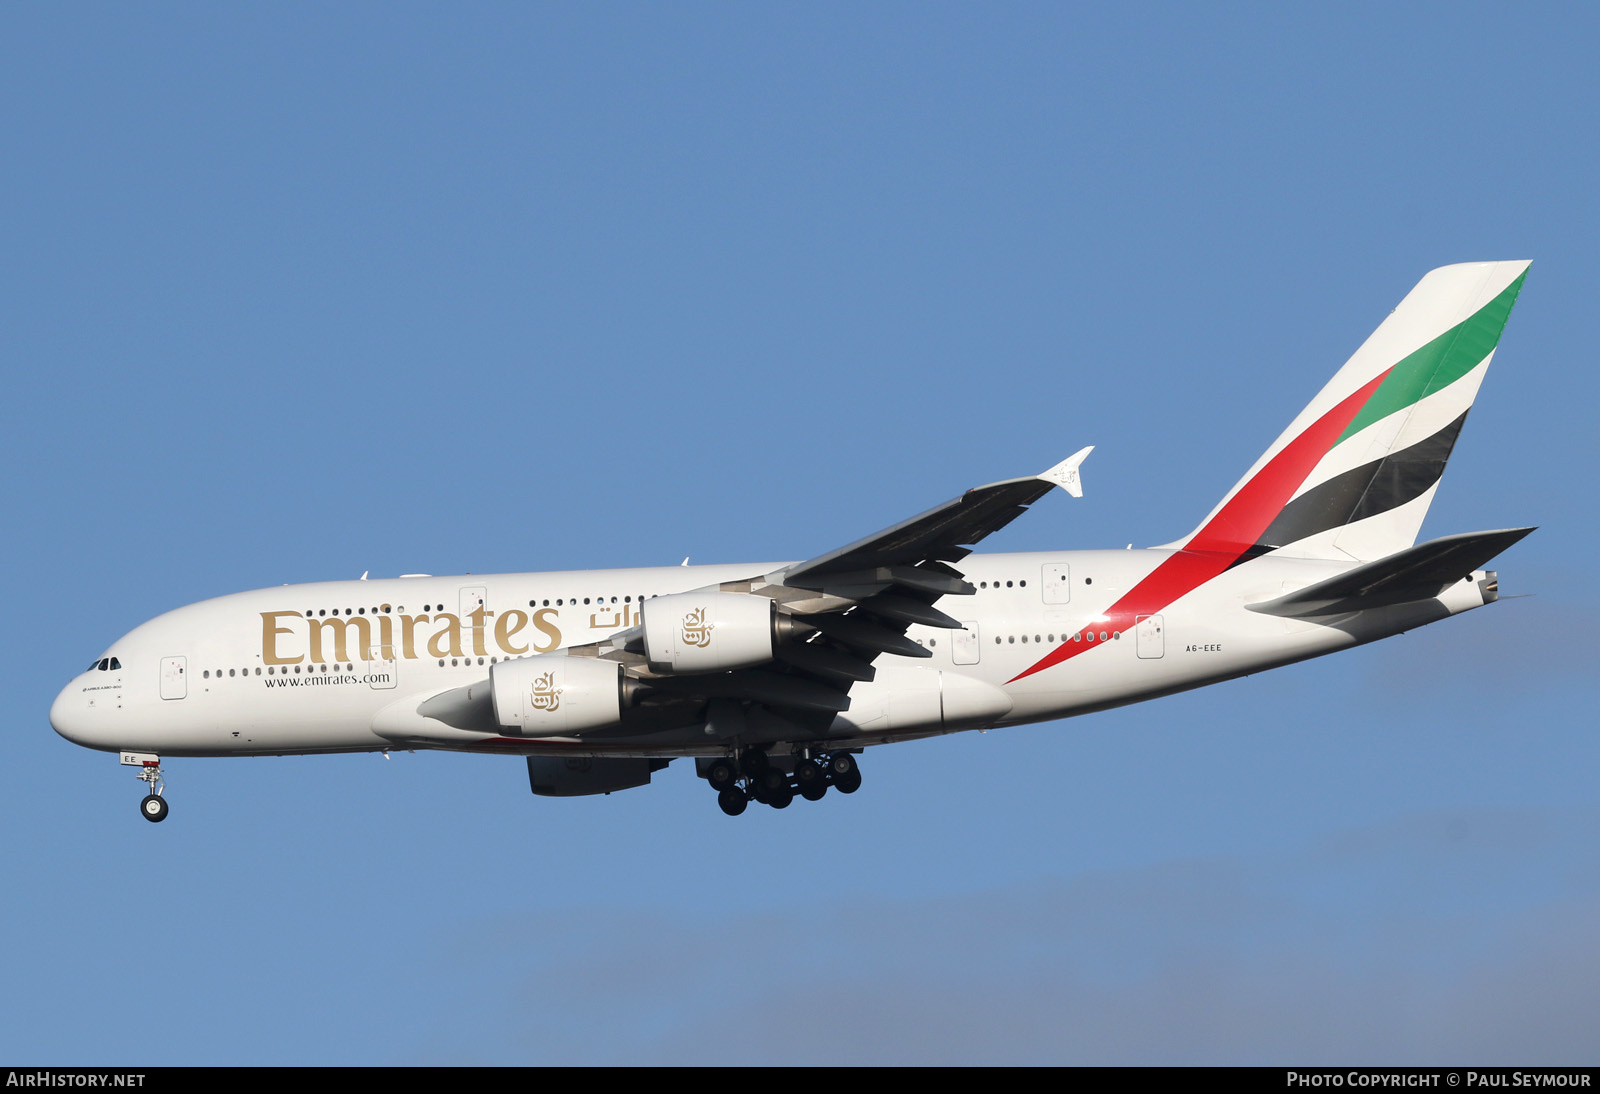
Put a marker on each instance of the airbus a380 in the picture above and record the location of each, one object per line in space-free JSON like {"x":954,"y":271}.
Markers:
{"x":773,"y":677}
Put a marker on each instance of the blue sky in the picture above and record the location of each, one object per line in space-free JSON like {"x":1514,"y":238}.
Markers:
{"x":290,"y":293}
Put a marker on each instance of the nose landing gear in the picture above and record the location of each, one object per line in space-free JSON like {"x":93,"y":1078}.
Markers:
{"x":154,"y":807}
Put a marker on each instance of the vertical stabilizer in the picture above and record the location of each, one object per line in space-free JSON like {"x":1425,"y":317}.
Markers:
{"x":1353,"y":475}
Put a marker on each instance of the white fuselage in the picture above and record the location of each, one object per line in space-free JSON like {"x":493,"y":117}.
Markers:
{"x":271,"y":672}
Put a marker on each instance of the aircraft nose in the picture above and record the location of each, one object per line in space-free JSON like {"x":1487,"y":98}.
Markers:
{"x":69,"y":716}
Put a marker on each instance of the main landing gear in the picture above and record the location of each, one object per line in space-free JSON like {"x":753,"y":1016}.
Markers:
{"x":154,"y":807}
{"x":754,"y":777}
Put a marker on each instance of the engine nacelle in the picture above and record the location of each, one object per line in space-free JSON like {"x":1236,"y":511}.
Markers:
{"x":575,"y":776}
{"x":555,"y":696}
{"x":708,"y":632}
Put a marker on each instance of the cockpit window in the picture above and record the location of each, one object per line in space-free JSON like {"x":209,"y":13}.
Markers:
{"x":115,"y":664}
{"x":105,"y":663}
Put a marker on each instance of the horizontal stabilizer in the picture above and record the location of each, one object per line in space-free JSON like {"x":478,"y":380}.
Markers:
{"x":1416,"y":573}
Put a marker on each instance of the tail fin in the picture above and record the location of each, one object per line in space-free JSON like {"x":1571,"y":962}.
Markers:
{"x":1353,"y":475}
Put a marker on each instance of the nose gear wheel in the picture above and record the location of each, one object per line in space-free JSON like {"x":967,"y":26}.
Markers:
{"x":153,"y":807}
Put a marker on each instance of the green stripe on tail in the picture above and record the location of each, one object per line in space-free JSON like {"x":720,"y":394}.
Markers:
{"x":1441,"y":362}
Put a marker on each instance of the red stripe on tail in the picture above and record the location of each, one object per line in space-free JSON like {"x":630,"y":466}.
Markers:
{"x":1234,"y":530}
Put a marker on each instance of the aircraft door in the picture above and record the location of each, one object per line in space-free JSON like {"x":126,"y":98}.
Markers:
{"x":381,"y":668}
{"x":964,"y":645}
{"x":1151,"y":636}
{"x":174,"y":677}
{"x":1056,"y":586}
{"x":475,"y":598}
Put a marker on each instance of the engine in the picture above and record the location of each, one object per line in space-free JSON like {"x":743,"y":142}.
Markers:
{"x":711,"y":632}
{"x":557,"y":696}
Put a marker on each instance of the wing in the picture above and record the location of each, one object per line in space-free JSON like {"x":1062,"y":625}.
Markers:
{"x":839,"y":611}
{"x":943,"y":532}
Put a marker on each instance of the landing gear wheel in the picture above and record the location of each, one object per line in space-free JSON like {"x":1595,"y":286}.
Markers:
{"x":754,"y":762}
{"x":732,"y":801}
{"x":812,"y":781}
{"x":154,"y":807}
{"x":722,"y":774}
{"x":844,"y":773}
{"x":773,"y":784}
{"x":780,"y":799}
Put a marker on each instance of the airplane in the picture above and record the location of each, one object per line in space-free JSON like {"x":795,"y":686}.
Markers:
{"x":774,"y":677}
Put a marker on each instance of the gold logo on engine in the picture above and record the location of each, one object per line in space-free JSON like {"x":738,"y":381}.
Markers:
{"x":696,"y":631}
{"x":545,"y":695}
